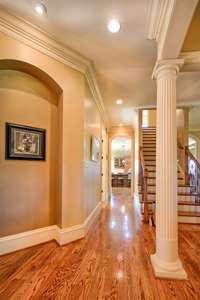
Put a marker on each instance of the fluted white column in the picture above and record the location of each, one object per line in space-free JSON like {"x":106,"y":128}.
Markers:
{"x":166,"y":262}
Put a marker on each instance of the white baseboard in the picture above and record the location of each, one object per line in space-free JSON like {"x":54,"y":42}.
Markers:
{"x":63,"y":236}
{"x":91,"y":218}
{"x":26,"y":239}
{"x":70,"y":234}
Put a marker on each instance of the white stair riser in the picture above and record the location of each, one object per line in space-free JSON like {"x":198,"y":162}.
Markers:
{"x":189,"y":208}
{"x":189,"y":220}
{"x":151,"y":163}
{"x":152,"y":168}
{"x":182,"y":189}
{"x":188,"y":198}
{"x":151,"y":173}
{"x":153,"y":181}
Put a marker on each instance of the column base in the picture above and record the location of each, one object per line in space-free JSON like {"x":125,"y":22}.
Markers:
{"x":170,"y":271}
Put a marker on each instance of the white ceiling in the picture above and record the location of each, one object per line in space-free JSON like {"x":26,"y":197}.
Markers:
{"x":123,"y":61}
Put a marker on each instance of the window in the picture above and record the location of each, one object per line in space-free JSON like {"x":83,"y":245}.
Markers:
{"x":193,"y":146}
{"x":145,"y":118}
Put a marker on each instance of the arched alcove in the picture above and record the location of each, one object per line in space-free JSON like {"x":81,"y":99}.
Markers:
{"x":29,"y":188}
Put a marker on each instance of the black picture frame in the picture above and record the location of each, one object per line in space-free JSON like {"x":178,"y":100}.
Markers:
{"x":25,"y":142}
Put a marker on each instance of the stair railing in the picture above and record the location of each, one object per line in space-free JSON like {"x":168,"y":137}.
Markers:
{"x":143,"y":182}
{"x":192,"y":172}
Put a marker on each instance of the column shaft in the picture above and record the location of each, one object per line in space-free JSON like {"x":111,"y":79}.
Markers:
{"x":166,"y":262}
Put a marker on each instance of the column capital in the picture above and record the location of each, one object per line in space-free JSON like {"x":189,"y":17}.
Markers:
{"x":167,"y":66}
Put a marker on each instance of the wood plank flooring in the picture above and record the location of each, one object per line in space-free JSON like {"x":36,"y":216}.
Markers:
{"x":111,"y":263}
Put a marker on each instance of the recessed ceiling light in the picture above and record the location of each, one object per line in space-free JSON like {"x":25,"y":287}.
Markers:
{"x":121,"y":125}
{"x":119,"y":101}
{"x":40,"y":8}
{"x":114,"y":26}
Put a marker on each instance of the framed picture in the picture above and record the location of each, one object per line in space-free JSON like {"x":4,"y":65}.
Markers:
{"x":25,"y":142}
{"x":95,"y":148}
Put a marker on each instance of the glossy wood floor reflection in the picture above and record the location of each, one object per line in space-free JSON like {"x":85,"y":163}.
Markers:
{"x":111,"y":263}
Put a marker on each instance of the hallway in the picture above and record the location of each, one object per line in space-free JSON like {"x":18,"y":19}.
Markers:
{"x":111,"y":263}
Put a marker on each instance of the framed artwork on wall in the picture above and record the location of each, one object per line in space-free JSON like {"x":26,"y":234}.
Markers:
{"x":25,"y":142}
{"x":95,"y":148}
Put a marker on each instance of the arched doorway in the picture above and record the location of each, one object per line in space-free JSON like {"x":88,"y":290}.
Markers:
{"x":121,"y":167}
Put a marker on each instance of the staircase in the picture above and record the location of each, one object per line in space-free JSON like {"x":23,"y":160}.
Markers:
{"x":188,"y":201}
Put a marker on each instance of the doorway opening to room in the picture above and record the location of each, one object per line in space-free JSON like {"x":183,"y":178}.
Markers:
{"x":121,"y":165}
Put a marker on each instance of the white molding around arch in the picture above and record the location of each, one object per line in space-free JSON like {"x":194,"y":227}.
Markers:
{"x":40,"y":40}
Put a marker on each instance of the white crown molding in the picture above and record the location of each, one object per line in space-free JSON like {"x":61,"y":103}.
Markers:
{"x":192,"y":61}
{"x":40,"y":40}
{"x":94,"y":88}
{"x":37,"y":39}
{"x":191,"y":57}
{"x":34,"y":237}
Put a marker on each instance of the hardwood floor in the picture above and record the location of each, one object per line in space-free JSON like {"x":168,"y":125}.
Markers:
{"x":111,"y":263}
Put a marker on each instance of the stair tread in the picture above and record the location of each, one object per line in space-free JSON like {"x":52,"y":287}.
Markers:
{"x":179,"y":194}
{"x":179,"y":185}
{"x":188,"y":203}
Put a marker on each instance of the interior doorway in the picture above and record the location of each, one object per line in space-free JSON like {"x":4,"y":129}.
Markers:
{"x":104,"y":166}
{"x":121,"y":165}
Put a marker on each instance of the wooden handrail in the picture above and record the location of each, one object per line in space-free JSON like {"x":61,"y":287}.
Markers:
{"x":179,"y":145}
{"x":144,"y":174}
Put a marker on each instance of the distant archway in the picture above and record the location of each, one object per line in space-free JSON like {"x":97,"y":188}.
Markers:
{"x":193,"y":144}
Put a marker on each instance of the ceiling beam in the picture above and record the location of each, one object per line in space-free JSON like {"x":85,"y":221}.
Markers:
{"x":168,"y":22}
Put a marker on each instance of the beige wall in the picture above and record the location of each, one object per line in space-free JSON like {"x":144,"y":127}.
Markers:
{"x":71,"y":114}
{"x":28,"y":188}
{"x":92,"y":170}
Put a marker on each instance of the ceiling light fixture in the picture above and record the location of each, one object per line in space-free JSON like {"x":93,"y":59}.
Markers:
{"x":114,"y":26}
{"x":121,"y":125}
{"x":119,"y":101}
{"x":40,"y":8}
